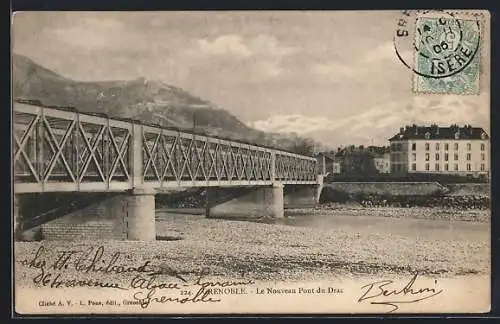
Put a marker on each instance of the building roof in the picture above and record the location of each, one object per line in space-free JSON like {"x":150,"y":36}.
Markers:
{"x":375,"y":151}
{"x":437,"y":132}
{"x":379,"y":150}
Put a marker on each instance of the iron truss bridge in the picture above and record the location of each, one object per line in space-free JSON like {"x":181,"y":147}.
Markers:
{"x":62,"y":150}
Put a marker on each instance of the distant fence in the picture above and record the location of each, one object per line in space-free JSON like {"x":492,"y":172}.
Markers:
{"x":386,"y":188}
{"x":421,"y":177}
{"x":469,"y":189}
{"x":409,"y":194}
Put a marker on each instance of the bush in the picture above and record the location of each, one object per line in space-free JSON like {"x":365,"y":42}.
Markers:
{"x":387,"y":200}
{"x":421,"y":177}
{"x":333,"y":195}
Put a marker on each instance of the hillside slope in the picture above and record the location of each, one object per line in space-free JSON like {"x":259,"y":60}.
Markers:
{"x":148,"y":100}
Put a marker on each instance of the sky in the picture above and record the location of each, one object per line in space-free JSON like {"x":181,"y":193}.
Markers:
{"x":330,"y":75}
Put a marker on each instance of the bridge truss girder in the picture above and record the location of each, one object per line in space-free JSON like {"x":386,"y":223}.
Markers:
{"x":66,"y":150}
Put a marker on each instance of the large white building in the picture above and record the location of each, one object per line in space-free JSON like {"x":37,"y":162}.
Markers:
{"x":445,"y":150}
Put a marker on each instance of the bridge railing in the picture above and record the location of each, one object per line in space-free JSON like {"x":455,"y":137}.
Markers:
{"x":66,"y":150}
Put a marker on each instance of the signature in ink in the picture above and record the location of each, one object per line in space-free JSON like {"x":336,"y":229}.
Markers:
{"x":383,"y":293}
{"x":58,"y":274}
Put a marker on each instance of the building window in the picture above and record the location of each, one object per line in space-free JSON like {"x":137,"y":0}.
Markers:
{"x":446,"y":156}
{"x":482,"y":167}
{"x":468,"y":166}
{"x":446,"y":146}
{"x":427,"y":167}
{"x":446,"y":167}
{"x":427,"y":156}
{"x":414,"y":157}
{"x":414,"y":167}
{"x":436,"y":167}
{"x":468,"y":156}
{"x":482,"y":146}
{"x":455,"y":167}
{"x":437,"y":156}
{"x":455,"y":157}
{"x":426,"y":146}
{"x":482,"y":156}
{"x":468,"y":146}
{"x":414,"y":146}
{"x":455,"y":146}
{"x":437,"y":146}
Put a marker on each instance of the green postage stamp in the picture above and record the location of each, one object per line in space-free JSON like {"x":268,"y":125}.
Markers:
{"x":446,"y":53}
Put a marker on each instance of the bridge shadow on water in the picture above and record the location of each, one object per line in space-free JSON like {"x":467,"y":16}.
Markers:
{"x":168,"y":238}
{"x":301,"y":220}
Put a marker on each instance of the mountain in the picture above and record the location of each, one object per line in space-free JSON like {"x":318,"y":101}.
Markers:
{"x":148,"y":100}
{"x":377,"y":124}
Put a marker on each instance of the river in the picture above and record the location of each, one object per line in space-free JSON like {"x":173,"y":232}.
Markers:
{"x":409,"y":227}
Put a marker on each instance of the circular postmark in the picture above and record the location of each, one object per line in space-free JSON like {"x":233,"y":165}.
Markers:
{"x":436,"y":44}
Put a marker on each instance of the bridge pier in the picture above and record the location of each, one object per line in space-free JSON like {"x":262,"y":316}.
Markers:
{"x":303,"y":196}
{"x":276,"y":201}
{"x":126,"y":216}
{"x":263,"y":202}
{"x":140,"y":215}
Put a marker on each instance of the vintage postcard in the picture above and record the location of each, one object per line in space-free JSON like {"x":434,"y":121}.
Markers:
{"x":257,"y":162}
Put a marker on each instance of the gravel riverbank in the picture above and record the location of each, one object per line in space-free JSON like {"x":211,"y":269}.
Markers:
{"x":429,"y":213}
{"x":334,"y":245}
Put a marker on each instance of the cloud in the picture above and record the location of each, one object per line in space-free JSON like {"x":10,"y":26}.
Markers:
{"x":444,"y":110}
{"x":255,"y":58}
{"x":261,"y":45}
{"x":376,"y":124}
{"x":267,"y":70}
{"x":382,"y":57}
{"x":382,"y":52}
{"x":89,"y":32}
{"x":81,"y":37}
{"x":104,"y":24}
{"x":292,"y":65}
{"x":225,"y":45}
{"x":333,"y":71}
{"x":268,"y":45}
{"x":296,"y":123}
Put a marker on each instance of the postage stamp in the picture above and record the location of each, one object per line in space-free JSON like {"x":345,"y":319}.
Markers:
{"x":446,"y":49}
{"x":236,"y":169}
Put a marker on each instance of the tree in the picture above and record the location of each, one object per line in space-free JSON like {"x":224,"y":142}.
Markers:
{"x":304,"y":146}
{"x":358,"y":163}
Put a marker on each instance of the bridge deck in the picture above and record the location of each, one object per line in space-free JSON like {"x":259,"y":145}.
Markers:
{"x":66,"y":150}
